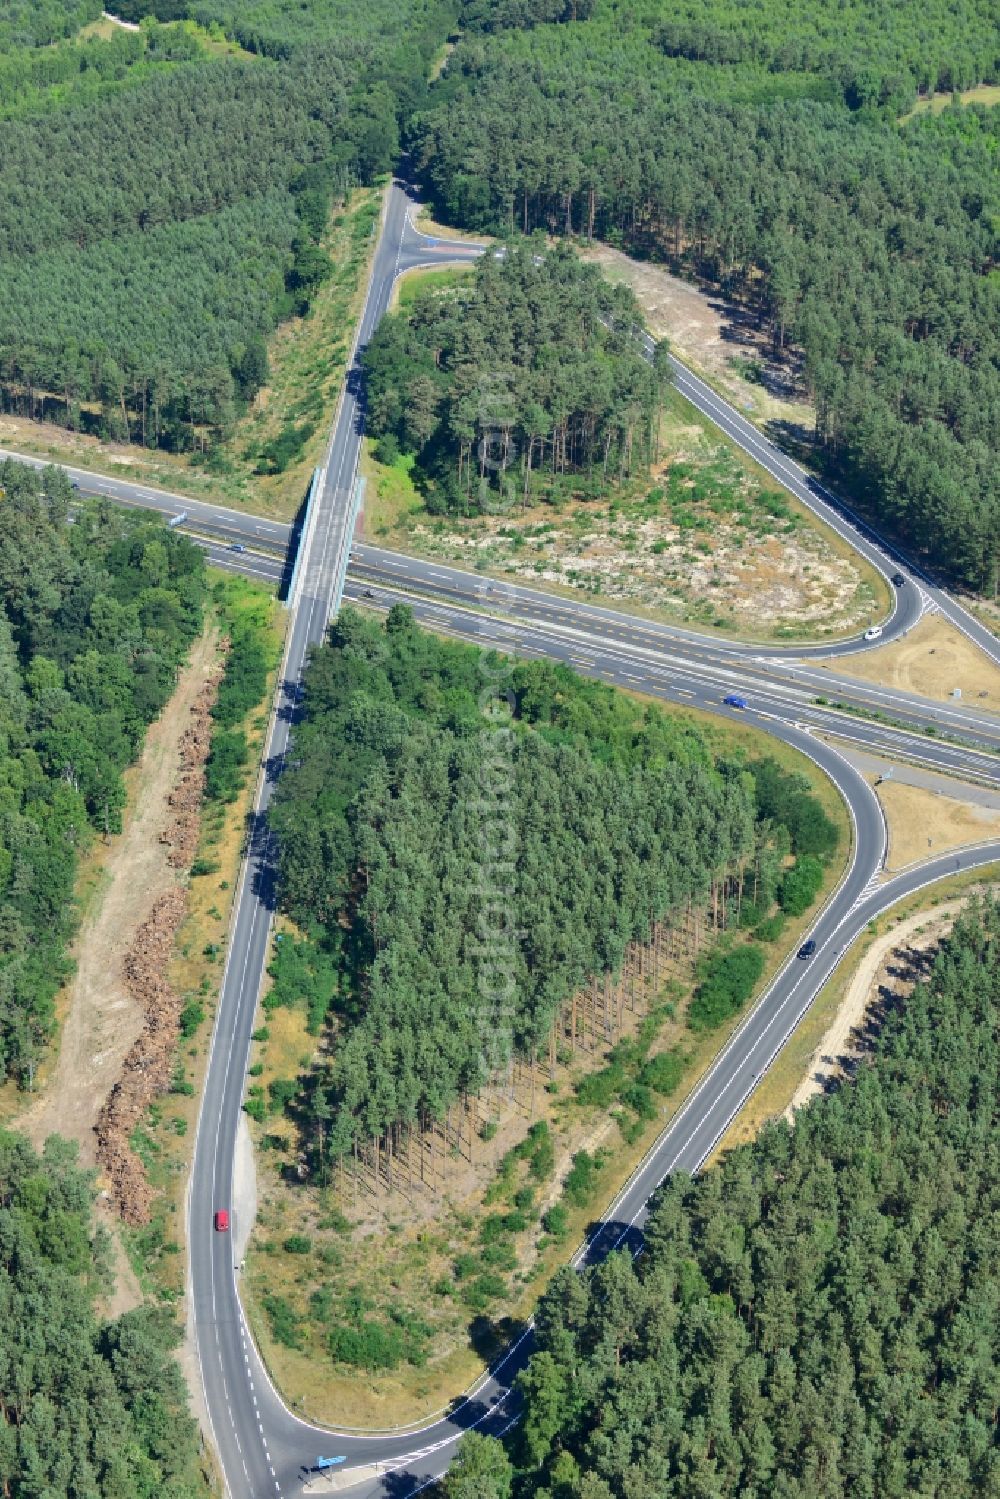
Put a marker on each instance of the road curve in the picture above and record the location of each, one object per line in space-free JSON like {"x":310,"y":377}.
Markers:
{"x":401,"y":1464}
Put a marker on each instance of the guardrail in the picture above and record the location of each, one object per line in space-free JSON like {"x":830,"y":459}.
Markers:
{"x":355,"y":506}
{"x":293,"y":581}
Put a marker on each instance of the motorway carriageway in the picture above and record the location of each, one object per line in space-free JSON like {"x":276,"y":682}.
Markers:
{"x":264,"y":1447}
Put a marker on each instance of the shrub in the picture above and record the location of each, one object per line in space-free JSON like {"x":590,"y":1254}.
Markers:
{"x":191,"y":1017}
{"x":224,"y":767}
{"x":638,"y":1098}
{"x":600,"y":1089}
{"x":771,"y":929}
{"x":479,"y":1293}
{"x":284,"y":1324}
{"x":556,"y":1221}
{"x":785,"y":798}
{"x":500,"y":1256}
{"x":367,"y":1345}
{"x":297,"y":1244}
{"x":800,"y":885}
{"x":387,"y":449}
{"x":663,"y":1073}
{"x":281,"y":1092}
{"x":581,"y":1180}
{"x":728,"y":982}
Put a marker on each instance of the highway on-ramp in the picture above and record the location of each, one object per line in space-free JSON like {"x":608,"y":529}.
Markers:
{"x":264,"y":1448}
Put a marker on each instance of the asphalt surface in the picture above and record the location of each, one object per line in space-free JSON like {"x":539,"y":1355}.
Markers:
{"x":264,"y":1449}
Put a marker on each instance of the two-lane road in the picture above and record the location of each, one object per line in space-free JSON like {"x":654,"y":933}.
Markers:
{"x":265,"y":1449}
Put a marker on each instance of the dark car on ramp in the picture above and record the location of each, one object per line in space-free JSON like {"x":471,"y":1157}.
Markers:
{"x":807,"y":949}
{"x":734,"y":700}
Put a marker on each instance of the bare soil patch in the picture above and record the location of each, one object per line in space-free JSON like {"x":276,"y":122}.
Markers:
{"x":717,"y":338}
{"x":706,"y":539}
{"x":933,"y":660}
{"x":102,"y":1017}
{"x":890,"y":967}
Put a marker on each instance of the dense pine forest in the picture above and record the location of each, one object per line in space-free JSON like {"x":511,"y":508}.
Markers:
{"x":88,"y":1407}
{"x":760,"y":149}
{"x":94,"y":620}
{"x":613,"y":819}
{"x":529,"y":380}
{"x":159,"y":222}
{"x":814,"y":1318}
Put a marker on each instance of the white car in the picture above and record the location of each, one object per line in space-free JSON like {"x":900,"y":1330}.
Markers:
{"x":873,"y":632}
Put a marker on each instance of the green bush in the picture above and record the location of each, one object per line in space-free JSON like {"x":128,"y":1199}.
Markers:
{"x":479,"y":1293}
{"x":191,"y":1017}
{"x":297,"y":1244}
{"x":800,"y":886}
{"x":224,"y":768}
{"x":663,"y":1073}
{"x":582,"y":1179}
{"x":638,"y":1098}
{"x":284,"y":1324}
{"x":368,"y":1345}
{"x":600,"y":1089}
{"x":281,"y":1092}
{"x":728,"y":983}
{"x":500,"y":1256}
{"x":771,"y":929}
{"x":785,"y":798}
{"x":556,"y":1221}
{"x":245,"y":677}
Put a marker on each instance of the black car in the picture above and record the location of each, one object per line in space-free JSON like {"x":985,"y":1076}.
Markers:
{"x":807,"y":949}
{"x":898,"y":580}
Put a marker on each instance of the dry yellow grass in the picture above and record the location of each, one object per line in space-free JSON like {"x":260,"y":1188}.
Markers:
{"x":924,"y":823}
{"x":933,"y":659}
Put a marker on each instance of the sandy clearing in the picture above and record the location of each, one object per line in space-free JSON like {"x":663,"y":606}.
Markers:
{"x":933,"y":659}
{"x":102,"y":1022}
{"x":715,"y":338}
{"x":886,"y":962}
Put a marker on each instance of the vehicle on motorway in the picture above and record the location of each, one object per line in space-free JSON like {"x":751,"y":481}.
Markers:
{"x":368,"y":594}
{"x":898,"y":580}
{"x":873,"y":632}
{"x":237,"y":546}
{"x":733,"y":700}
{"x":807,"y":949}
{"x":222,"y":1221}
{"x":329,"y":1462}
{"x":178,"y":520}
{"x":74,"y":484}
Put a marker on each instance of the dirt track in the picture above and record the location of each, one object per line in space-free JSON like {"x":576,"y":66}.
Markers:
{"x":916,"y":935}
